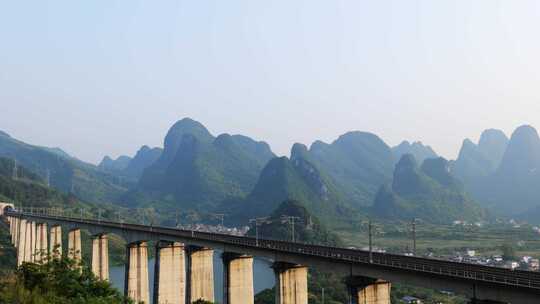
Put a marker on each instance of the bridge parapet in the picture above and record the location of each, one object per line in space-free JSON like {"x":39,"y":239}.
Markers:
{"x":474,"y":281}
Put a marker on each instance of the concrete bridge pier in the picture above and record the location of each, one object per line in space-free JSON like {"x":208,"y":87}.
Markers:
{"x":100,"y":257}
{"x":33,"y":243}
{"x":74,"y":246}
{"x":29,"y":241}
{"x":136,"y":281}
{"x":237,"y":278}
{"x":41,"y":242}
{"x":11,"y":222}
{"x":291,"y":283}
{"x":200,"y":274}
{"x":169,"y":273}
{"x":21,"y":240}
{"x":14,"y":230}
{"x":56,"y":241}
{"x":366,"y":290}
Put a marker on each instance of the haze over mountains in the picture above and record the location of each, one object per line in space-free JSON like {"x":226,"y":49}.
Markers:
{"x":357,"y":174}
{"x":62,"y":171}
{"x":427,"y":192}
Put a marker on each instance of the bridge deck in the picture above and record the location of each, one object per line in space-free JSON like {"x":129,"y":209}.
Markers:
{"x":501,"y":277}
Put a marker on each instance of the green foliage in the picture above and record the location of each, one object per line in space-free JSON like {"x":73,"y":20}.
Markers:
{"x":508,"y":252}
{"x":201,"y":301}
{"x":335,"y":290}
{"x":427,"y":296}
{"x":7,"y":253}
{"x":307,"y":228}
{"x":56,"y":281}
{"x":266,"y":296}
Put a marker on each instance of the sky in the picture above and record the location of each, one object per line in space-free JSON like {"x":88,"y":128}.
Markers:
{"x":108,"y":76}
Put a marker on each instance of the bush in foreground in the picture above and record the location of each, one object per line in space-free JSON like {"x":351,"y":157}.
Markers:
{"x":57,"y":281}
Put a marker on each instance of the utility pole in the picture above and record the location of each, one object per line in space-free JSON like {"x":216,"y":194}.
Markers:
{"x":220,"y":216}
{"x":290,"y":220}
{"x":414,"y":235}
{"x":370,"y":242}
{"x":177,"y":220}
{"x":258,"y":221}
{"x":322,"y":295}
{"x":99,"y":215}
{"x":141,"y":210}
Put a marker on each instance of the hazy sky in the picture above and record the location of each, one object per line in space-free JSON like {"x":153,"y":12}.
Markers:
{"x":105,"y":77}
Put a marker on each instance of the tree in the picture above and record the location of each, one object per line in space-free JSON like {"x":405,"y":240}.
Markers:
{"x":58,"y":280}
{"x":508,"y":252}
{"x":202,"y":301}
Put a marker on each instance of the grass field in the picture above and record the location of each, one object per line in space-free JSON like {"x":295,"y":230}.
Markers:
{"x":446,"y":239}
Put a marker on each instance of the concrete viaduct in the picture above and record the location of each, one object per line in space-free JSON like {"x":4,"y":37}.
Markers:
{"x":184,"y":266}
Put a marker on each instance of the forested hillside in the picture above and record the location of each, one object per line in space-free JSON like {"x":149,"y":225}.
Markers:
{"x":428,"y":192}
{"x":62,"y":171}
{"x":198,"y":171}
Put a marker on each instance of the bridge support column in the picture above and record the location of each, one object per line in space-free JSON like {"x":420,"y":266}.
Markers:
{"x":291,"y":283}
{"x":136,"y":281}
{"x":30,"y":241}
{"x":21,"y":241}
{"x":41,"y":242}
{"x":169,"y":273}
{"x":237,"y":278}
{"x":33,"y":243}
{"x":56,"y":241}
{"x":14,"y":230}
{"x":74,"y":245}
{"x":28,"y":249}
{"x":200,"y":274}
{"x":11,"y":227}
{"x":15,"y":235}
{"x":100,"y":257}
{"x":366,"y":290}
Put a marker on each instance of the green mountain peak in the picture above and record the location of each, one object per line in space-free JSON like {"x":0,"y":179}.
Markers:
{"x":429,"y":192}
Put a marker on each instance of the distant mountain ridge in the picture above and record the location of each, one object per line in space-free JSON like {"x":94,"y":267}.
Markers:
{"x":416,"y":149}
{"x":63,"y":172}
{"x":293,"y":179}
{"x":21,"y":186}
{"x":197,"y":170}
{"x":131,"y":168}
{"x":501,"y":173}
{"x":143,"y":159}
{"x":358,"y":163}
{"x":428,"y":192}
{"x":478,"y":161}
{"x":355,"y":174}
{"x":514,"y":187}
{"x":114,"y":165}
